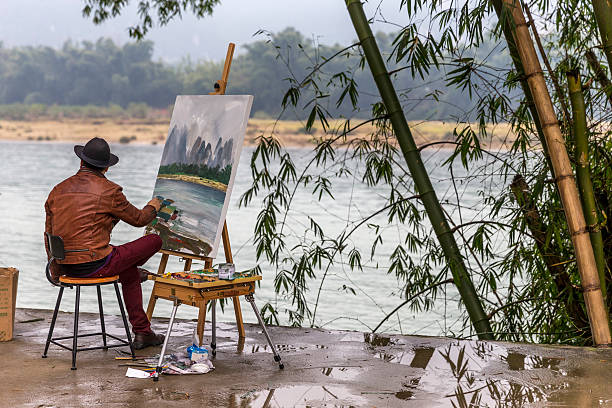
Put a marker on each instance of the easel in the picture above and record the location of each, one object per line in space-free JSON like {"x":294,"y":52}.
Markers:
{"x":200,"y":294}
{"x":208,"y":262}
{"x":220,"y":87}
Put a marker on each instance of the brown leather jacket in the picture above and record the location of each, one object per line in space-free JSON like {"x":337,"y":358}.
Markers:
{"x":84,"y":208}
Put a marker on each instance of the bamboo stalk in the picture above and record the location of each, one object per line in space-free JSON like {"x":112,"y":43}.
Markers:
{"x":551,"y":72}
{"x":418,"y":172}
{"x":585,"y":186}
{"x":563,"y":176}
{"x":600,"y":74}
{"x":603,"y":16}
{"x":518,"y":65}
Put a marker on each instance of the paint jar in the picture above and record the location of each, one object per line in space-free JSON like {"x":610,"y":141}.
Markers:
{"x":197,"y":354}
{"x":226,"y":271}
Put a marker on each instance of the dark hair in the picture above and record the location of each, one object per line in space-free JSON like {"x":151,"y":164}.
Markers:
{"x":92,"y":167}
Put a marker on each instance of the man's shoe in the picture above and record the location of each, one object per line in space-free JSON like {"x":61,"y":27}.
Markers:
{"x":142,"y":340}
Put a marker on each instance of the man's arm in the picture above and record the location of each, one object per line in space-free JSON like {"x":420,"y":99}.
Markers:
{"x":125,"y":211}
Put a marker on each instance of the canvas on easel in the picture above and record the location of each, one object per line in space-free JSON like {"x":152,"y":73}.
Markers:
{"x":197,"y":171}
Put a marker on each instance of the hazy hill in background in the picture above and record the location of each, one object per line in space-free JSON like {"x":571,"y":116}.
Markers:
{"x":102,"y":73}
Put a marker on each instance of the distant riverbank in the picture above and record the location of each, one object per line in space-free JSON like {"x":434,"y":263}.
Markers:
{"x":290,"y":133}
{"x":194,"y":179}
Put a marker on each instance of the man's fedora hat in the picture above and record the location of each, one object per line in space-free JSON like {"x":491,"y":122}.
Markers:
{"x":97,"y":153}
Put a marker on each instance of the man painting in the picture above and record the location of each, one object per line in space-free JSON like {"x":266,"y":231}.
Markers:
{"x":82,"y":210}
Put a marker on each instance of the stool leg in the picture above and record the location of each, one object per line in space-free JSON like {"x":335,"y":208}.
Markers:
{"x":125,"y":322}
{"x":101,"y":317}
{"x":50,"y":336}
{"x":158,"y":369}
{"x":277,"y":356}
{"x":213,"y":343}
{"x":75,"y":332}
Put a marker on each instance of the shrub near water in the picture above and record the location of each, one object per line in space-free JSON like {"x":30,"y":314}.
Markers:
{"x":19,"y":111}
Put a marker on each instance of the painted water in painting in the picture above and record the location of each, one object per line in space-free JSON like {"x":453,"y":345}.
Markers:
{"x":197,"y":171}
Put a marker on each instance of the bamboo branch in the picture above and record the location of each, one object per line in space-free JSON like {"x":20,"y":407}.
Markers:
{"x":516,"y":302}
{"x":341,"y":241}
{"x":410,"y":299}
{"x":600,"y":74}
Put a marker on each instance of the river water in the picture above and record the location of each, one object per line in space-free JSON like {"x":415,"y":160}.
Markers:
{"x":30,"y":169}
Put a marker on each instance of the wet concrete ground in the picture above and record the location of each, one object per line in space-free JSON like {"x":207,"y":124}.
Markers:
{"x":322,"y":369}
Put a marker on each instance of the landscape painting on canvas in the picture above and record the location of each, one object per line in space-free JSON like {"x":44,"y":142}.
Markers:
{"x":197,"y":171}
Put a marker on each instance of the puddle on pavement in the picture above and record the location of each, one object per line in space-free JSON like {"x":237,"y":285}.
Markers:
{"x":264,"y":348}
{"x":352,"y":337}
{"x":381,"y":340}
{"x":519,"y":361}
{"x":299,"y":396}
{"x":378,"y":340}
{"x":158,"y":394}
{"x":282,"y":348}
{"x":418,"y":358}
{"x":459,"y":373}
{"x":342,"y":373}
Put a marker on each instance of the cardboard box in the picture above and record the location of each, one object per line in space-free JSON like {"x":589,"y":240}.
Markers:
{"x":8,"y":298}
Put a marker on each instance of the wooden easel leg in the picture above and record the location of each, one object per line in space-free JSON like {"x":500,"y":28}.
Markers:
{"x":201,"y":320}
{"x":162,"y":264}
{"x":152,"y":301}
{"x":239,"y":322}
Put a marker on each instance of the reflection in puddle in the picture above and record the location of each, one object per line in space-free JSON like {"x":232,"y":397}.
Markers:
{"x":461,"y":366}
{"x":282,"y":348}
{"x":342,"y":373}
{"x":298,"y":396}
{"x":397,"y":358}
{"x":377,"y":340}
{"x":352,"y":337}
{"x":417,"y":358}
{"x":518,"y":361}
{"x":458,"y":373}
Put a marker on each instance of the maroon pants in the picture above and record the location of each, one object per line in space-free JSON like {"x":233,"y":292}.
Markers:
{"x":124,"y":262}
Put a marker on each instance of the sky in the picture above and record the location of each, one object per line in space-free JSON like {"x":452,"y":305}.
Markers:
{"x":52,"y":22}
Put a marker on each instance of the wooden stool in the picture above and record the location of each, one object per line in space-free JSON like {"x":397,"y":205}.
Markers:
{"x":56,"y":249}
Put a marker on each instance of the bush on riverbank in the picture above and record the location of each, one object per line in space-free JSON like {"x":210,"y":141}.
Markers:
{"x":37,"y":111}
